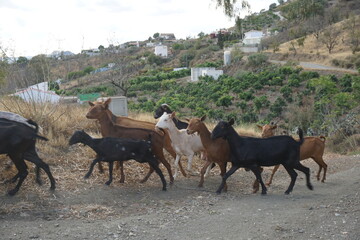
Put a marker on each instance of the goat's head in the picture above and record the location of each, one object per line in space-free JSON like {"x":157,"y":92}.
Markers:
{"x":164,"y":108}
{"x":165,"y":121}
{"x":78,"y":137}
{"x":268,"y":130}
{"x":195,"y":124}
{"x":222,"y":129}
{"x":97,"y":109}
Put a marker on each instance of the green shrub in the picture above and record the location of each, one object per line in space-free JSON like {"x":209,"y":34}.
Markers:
{"x":257,"y":60}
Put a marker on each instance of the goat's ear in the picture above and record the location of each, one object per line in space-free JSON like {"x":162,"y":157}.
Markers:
{"x":186,"y":119}
{"x":108,"y":101}
{"x":273,"y":126}
{"x":91,"y":104}
{"x":259,"y":126}
{"x":172,"y":115}
{"x":203,"y":118}
{"x":231,"y":122}
{"x":165,"y":107}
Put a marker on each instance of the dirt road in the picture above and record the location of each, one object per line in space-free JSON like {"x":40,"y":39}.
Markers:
{"x":142,"y":211}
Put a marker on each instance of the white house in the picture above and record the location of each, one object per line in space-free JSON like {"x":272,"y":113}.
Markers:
{"x":161,"y":50}
{"x":253,"y":37}
{"x":38,"y":93}
{"x":205,"y":71}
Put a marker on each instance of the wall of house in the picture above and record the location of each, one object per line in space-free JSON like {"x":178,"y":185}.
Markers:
{"x":161,"y":51}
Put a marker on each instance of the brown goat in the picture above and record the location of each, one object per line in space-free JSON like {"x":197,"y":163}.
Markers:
{"x":313,"y":147}
{"x":108,"y":128}
{"x":217,"y":150}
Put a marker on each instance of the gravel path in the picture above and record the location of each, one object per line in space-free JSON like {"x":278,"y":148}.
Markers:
{"x":143,"y":211}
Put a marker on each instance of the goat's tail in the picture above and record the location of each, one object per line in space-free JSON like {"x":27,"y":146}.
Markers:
{"x":322,"y":138}
{"x":301,"y":136}
{"x":41,"y":137}
{"x":34,"y":124}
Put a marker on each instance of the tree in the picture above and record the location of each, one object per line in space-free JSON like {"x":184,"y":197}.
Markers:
{"x":156,"y":35}
{"x":238,"y":26}
{"x":354,"y":33}
{"x":22,"y":61}
{"x":300,"y":10}
{"x":272,"y":6}
{"x":330,"y":37}
{"x":230,"y":8}
{"x":101,"y":48}
{"x":40,"y":67}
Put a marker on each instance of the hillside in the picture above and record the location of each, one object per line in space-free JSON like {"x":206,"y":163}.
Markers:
{"x":252,"y":90}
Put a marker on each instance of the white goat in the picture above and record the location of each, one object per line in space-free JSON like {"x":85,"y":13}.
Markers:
{"x":183,"y":143}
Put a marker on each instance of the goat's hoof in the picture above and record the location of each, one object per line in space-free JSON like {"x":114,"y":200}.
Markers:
{"x":263,"y":193}
{"x":122,"y":180}
{"x":255,"y":190}
{"x":310,"y":187}
{"x":218,"y":192}
{"x":108,"y":183}
{"x":287,"y":192}
{"x":164,"y":189}
{"x":86,"y":176}
{"x":12,"y":192}
{"x":39,"y":182}
{"x":200,"y":186}
{"x":143,"y":180}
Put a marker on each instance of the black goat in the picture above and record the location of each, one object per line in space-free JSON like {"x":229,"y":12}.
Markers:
{"x":18,"y":142}
{"x":252,"y":153}
{"x":111,"y":149}
{"x":165,"y":108}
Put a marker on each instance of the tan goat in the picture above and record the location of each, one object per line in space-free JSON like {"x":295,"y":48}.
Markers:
{"x":313,"y":147}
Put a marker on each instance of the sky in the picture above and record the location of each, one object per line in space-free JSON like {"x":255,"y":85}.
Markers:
{"x":32,"y":27}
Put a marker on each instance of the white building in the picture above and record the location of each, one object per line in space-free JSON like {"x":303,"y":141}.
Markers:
{"x":161,"y":50}
{"x":38,"y":93}
{"x":253,"y":37}
{"x":205,"y":71}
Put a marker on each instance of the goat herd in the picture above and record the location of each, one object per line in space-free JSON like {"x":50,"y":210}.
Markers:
{"x":125,"y":139}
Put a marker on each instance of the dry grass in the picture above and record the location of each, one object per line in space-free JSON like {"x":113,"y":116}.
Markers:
{"x":315,"y":51}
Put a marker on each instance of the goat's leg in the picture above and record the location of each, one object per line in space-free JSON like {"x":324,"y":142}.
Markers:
{"x":257,"y":171}
{"x":202,"y":172}
{"x":256,"y":182}
{"x":22,"y":171}
{"x":111,"y":165}
{"x":322,"y":164}
{"x":167,"y":166}
{"x":37,"y":172}
{"x":33,"y":157}
{"x":272,"y":174}
{"x":228,"y":174}
{"x":13,"y":179}
{"x":222,"y":173}
{"x":306,"y":171}
{"x":293,"y":176}
{"x":120,"y":164}
{"x":155,"y":166}
{"x":170,"y":149}
{"x":176,"y":165}
{"x":190,"y":159}
{"x":87,"y":175}
{"x":151,"y":170}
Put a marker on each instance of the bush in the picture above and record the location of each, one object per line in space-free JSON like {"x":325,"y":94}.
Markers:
{"x":257,"y":60}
